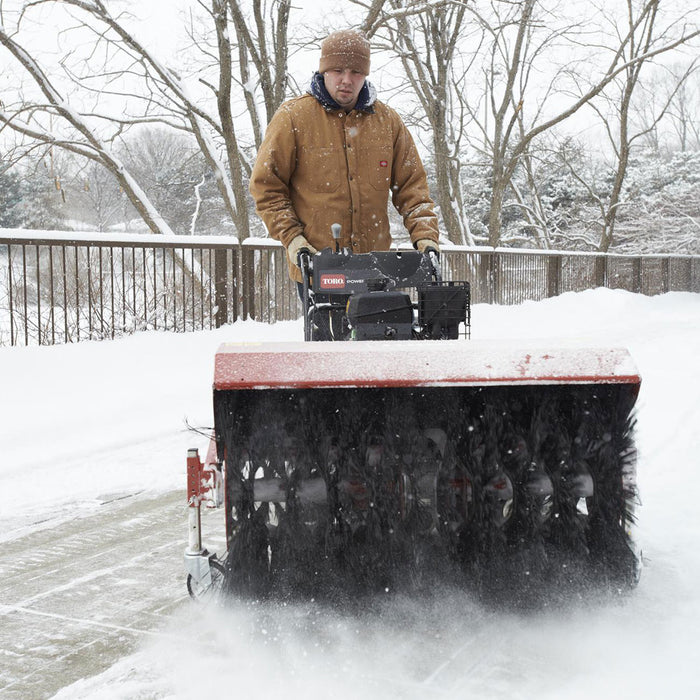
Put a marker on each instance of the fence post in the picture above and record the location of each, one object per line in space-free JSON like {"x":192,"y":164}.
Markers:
{"x":600,"y":270}
{"x":493,"y":278}
{"x":687,"y":274}
{"x":234,"y":292}
{"x":10,"y":283}
{"x":554,"y":275}
{"x":221,"y":290}
{"x":665,"y":274}
{"x":248,"y":282}
{"x":637,"y":275}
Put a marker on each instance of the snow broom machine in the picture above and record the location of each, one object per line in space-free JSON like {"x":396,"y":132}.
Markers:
{"x":395,"y":453}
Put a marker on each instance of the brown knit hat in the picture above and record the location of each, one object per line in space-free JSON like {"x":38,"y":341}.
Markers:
{"x":345,"y":49}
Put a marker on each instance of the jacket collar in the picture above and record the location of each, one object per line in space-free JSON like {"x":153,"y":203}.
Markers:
{"x":365,"y":100}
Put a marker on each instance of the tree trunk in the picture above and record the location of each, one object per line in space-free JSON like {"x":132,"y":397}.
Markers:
{"x":496,"y":205}
{"x":239,"y":213}
{"x":443,"y":195}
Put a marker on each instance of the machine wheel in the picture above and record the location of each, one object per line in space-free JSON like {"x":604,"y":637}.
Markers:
{"x":211,"y":593}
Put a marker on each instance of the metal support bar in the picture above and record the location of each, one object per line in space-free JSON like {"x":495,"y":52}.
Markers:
{"x":194,"y":499}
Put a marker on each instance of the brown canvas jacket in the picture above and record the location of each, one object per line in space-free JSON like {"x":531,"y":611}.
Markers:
{"x":317,"y":167}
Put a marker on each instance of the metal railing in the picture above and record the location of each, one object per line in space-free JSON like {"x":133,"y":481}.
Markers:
{"x":58,"y":287}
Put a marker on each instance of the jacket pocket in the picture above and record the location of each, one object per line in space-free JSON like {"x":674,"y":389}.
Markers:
{"x":376,"y":167}
{"x":319,"y":169}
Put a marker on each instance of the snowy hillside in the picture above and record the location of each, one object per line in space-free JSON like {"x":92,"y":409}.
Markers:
{"x":86,"y":423}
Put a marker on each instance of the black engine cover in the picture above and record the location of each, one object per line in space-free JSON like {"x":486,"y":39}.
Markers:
{"x":380,"y":316}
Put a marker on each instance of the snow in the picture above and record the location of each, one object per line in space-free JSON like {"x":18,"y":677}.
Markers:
{"x":86,"y":422}
{"x":96,"y":419}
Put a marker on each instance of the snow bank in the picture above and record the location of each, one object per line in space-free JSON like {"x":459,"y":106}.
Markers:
{"x":84,"y":423}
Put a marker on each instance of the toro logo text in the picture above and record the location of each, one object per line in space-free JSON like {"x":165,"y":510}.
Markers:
{"x":332,"y":281}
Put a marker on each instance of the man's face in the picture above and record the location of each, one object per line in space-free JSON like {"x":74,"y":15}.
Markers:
{"x":344,"y":85}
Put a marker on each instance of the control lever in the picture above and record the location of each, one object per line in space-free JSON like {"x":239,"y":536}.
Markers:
{"x":335,"y":230}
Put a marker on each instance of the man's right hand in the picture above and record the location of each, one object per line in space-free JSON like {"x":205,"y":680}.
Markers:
{"x":299,"y":245}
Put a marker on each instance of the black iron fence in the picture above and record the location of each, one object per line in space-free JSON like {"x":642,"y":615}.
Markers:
{"x":59,"y":287}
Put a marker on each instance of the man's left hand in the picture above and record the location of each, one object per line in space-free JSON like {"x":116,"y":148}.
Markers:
{"x":423,"y":245}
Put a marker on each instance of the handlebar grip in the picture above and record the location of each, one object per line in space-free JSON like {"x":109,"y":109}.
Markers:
{"x":434,"y":258}
{"x":305,"y":265}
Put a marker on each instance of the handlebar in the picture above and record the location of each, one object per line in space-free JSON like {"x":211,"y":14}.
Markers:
{"x":434,"y":258}
{"x":304,"y":261}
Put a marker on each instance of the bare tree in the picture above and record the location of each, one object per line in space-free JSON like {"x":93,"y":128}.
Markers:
{"x":265,"y":45}
{"x":620,"y":117}
{"x":660,"y":206}
{"x":163,"y":95}
{"x":79,"y":137}
{"x":684,"y":104}
{"x":426,"y":38}
{"x":97,"y":198}
{"x":261,"y":42}
{"x":482,"y":71}
{"x":664,"y":211}
{"x":641,"y":31}
{"x":672,"y":91}
{"x":521,"y":36}
{"x":172,"y":170}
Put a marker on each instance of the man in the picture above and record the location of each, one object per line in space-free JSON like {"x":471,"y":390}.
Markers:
{"x":334,"y":155}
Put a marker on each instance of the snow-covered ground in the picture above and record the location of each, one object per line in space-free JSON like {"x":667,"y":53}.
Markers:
{"x":82,"y":423}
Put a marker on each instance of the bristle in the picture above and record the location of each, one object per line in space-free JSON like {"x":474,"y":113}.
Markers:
{"x":512,"y":491}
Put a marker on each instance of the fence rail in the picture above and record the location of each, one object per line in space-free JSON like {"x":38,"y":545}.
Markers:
{"x":58,"y":287}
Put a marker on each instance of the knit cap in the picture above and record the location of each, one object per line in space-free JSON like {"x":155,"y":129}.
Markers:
{"x":345,"y":49}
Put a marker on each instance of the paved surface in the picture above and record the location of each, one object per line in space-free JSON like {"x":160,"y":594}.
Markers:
{"x":77,"y":595}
